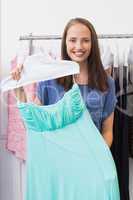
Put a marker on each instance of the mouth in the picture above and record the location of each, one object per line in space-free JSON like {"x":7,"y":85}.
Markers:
{"x":79,"y":54}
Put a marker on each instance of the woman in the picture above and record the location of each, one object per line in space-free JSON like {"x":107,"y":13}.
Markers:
{"x":80,"y":44}
{"x":82,"y":47}
{"x":67,"y":156}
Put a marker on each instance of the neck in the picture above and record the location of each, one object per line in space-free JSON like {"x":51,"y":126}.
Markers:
{"x":82,"y":78}
{"x":83,"y":68}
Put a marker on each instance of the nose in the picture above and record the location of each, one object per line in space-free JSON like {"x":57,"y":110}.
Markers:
{"x":78,"y":45}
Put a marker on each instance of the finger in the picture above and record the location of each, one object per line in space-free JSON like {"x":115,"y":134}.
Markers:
{"x":17,"y":76}
{"x":16,"y":73}
{"x":19,"y":70}
{"x":12,"y":74}
{"x":20,"y":67}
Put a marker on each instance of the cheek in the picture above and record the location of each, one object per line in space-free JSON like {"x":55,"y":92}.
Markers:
{"x":88,"y":48}
{"x":69,"y":48}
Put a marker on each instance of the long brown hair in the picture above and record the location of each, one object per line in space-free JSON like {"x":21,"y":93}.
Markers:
{"x":97,"y":74}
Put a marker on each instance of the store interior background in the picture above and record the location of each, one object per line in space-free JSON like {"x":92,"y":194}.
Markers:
{"x":38,"y":17}
{"x":49,"y":17}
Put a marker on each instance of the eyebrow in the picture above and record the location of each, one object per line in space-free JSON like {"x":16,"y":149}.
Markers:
{"x":81,"y":38}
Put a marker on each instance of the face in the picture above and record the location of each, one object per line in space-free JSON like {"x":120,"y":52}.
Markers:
{"x":78,"y":43}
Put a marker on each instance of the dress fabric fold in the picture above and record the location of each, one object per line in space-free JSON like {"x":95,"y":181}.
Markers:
{"x":67,"y":157}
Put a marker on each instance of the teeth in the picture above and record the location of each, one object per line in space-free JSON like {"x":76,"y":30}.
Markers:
{"x":79,"y":54}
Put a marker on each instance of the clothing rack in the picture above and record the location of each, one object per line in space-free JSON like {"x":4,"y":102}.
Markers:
{"x":58,"y":37}
{"x":32,"y":37}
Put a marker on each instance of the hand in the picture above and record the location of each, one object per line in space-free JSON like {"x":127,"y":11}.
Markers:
{"x":16,"y":73}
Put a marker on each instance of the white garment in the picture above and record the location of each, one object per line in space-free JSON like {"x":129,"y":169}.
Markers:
{"x":130,"y":63}
{"x":106,"y":54}
{"x":130,"y":55}
{"x":3,"y":113}
{"x":49,"y":49}
{"x":37,"y":68}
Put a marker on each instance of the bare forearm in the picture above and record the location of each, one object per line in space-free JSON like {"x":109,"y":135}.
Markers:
{"x":20,"y":94}
{"x":107,"y":129}
{"x":108,"y":137}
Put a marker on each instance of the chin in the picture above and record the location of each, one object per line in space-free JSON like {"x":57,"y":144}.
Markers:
{"x":77,"y":59}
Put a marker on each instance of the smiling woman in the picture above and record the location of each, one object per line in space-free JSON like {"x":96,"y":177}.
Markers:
{"x":18,"y":18}
{"x":78,"y":43}
{"x":75,"y":125}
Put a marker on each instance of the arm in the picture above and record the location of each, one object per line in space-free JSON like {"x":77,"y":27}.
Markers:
{"x":16,"y":75}
{"x":108,"y":112}
{"x":37,"y":101}
{"x":107,"y":129}
{"x":16,"y":72}
{"x":20,"y":94}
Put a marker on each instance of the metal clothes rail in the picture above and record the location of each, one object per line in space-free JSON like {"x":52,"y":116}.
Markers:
{"x":58,"y":37}
{"x":32,"y":37}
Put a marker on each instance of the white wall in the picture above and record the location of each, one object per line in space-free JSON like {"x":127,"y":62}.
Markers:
{"x":50,"y":17}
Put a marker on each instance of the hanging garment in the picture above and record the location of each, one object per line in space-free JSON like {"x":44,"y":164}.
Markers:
{"x":106,"y":54}
{"x":130,"y":100}
{"x":16,"y":133}
{"x":47,"y":69}
{"x":99,"y":104}
{"x":120,"y":146}
{"x":35,"y":68}
{"x":67,"y":156}
{"x":120,"y":139}
{"x":3,"y":114}
{"x":49,"y":49}
{"x":130,"y":136}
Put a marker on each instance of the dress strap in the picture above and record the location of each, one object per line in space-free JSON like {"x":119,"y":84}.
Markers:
{"x":73,"y":78}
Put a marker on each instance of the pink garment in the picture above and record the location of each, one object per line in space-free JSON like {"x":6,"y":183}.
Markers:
{"x":16,"y":133}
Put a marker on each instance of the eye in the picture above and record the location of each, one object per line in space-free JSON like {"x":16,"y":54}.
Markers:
{"x":72,"y":40}
{"x":86,"y":40}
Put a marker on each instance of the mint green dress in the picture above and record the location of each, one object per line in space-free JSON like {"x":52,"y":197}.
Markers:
{"x":67,"y":158}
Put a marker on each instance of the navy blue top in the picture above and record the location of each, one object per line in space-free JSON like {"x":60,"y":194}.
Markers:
{"x":99,"y":104}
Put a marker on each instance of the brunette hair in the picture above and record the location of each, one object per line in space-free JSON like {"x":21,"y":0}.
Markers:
{"x":97,"y":74}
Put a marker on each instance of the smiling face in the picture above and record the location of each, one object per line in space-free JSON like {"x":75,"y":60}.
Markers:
{"x":78,"y":43}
